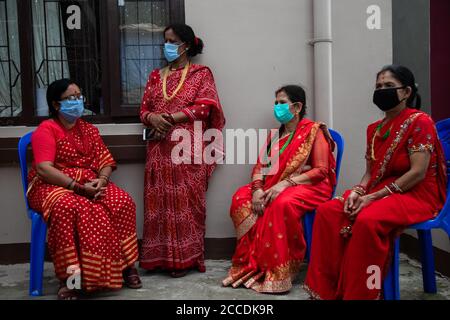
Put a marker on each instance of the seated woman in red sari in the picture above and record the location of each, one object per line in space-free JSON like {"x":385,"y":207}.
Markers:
{"x":92,"y":223}
{"x":267,"y":212}
{"x":404,"y":184}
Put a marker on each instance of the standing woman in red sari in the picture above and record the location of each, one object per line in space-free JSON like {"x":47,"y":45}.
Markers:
{"x":404,"y":184}
{"x":177,"y":97}
{"x":91,"y":222}
{"x":267,"y":212}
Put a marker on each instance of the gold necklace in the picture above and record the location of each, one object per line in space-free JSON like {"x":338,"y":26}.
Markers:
{"x":183,"y":78}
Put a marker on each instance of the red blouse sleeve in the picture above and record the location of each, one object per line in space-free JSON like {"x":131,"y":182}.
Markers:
{"x":146,"y":106}
{"x":422,"y":135}
{"x":319,"y":159}
{"x":43,"y":143}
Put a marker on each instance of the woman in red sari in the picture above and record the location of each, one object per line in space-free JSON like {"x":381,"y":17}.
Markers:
{"x":92,"y":223}
{"x":180,"y":96}
{"x":267,"y":212}
{"x":404,"y":184}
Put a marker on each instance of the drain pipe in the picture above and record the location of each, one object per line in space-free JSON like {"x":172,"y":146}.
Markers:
{"x":323,"y":75}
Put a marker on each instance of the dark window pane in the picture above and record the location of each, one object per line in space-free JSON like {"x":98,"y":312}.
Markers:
{"x":141,"y":25}
{"x":10,"y":85}
{"x":62,"y":50}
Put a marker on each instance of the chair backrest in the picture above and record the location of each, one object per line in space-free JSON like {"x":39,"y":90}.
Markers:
{"x":443,"y":129}
{"x":23,"y":146}
{"x":340,"y":151}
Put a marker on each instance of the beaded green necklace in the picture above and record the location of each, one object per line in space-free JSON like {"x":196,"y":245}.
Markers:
{"x":388,"y":132}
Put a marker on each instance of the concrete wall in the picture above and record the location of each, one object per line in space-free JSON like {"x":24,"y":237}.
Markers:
{"x":253,"y":48}
{"x":358,"y":54}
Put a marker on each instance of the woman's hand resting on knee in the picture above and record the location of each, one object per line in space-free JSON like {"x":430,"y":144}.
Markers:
{"x":258,"y":202}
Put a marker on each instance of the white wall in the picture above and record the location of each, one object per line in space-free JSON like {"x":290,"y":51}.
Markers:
{"x":253,"y":48}
{"x":358,"y":54}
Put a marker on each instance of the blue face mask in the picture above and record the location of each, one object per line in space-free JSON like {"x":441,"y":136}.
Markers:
{"x":282,"y":113}
{"x":71,"y":110}
{"x":171,"y":51}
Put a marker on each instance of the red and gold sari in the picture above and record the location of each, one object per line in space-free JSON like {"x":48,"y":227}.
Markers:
{"x":175,"y":194}
{"x":96,"y":236}
{"x":271,"y":247}
{"x":339,"y":265}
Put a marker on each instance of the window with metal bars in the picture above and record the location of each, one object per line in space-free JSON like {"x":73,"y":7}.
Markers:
{"x":109,"y":52}
{"x":10,"y":84}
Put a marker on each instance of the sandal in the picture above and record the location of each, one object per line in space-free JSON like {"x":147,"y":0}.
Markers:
{"x":65,"y":293}
{"x":178,"y":273}
{"x":131,"y":278}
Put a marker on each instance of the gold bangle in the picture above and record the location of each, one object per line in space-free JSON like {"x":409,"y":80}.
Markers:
{"x":359,"y":190}
{"x":396,"y":187}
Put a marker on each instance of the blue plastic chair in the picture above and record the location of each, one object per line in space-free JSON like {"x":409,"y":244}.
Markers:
{"x":308,"y":218}
{"x":391,"y":284}
{"x":38,"y":226}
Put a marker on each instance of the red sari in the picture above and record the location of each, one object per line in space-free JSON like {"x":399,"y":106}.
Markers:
{"x":97,"y":236}
{"x":339,"y":266}
{"x":175,"y":194}
{"x":271,"y":247}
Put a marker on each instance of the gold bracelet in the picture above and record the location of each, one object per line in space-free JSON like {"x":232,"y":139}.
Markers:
{"x":359,"y":190}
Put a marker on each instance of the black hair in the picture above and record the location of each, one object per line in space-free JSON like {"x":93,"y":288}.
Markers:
{"x":406,"y":78}
{"x":295,"y":94}
{"x":54,"y":93}
{"x":186,"y":34}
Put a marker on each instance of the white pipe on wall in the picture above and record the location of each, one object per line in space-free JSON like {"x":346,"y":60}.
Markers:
{"x":323,"y":75}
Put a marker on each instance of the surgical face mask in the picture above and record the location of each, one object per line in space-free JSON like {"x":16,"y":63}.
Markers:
{"x":282,"y":113}
{"x":71,"y":110}
{"x":387,"y":99}
{"x":171,"y":51}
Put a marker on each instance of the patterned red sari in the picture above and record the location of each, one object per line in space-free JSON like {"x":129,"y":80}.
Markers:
{"x":339,"y":265}
{"x":175,"y":194}
{"x":271,"y":247}
{"x":97,"y":236}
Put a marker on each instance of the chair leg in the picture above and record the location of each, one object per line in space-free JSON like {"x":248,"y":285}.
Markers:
{"x":428,"y":268}
{"x":38,"y":234}
{"x":308,"y":221}
{"x":391,"y":284}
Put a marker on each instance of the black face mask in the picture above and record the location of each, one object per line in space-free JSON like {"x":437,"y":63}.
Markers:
{"x":387,"y":99}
